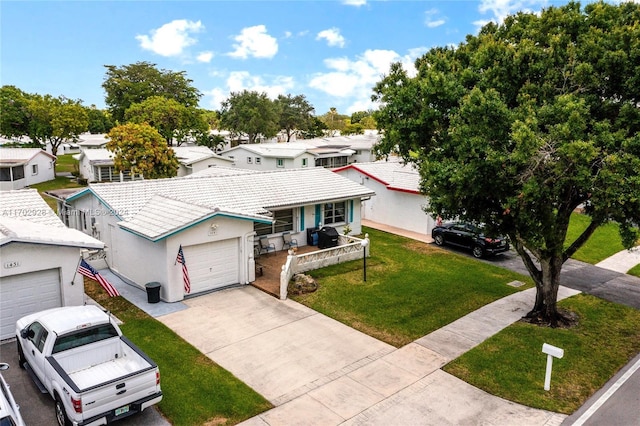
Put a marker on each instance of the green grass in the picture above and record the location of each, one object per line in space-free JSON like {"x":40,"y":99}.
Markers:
{"x":412,"y":289}
{"x":60,"y":182}
{"x":196,"y":390}
{"x":604,"y":242}
{"x":66,"y":163}
{"x":634,"y":271}
{"x":511,"y":364}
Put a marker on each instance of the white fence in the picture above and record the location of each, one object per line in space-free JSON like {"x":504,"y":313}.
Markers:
{"x":348,"y":248}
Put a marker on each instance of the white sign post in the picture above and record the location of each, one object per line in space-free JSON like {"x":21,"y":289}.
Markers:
{"x":552,"y":352}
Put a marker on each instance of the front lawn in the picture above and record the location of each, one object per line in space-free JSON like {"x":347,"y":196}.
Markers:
{"x":604,"y":242}
{"x":196,"y":390}
{"x":412,"y":289}
{"x":511,"y":365}
{"x":634,"y":271}
{"x":66,"y":163}
{"x":59,"y":182}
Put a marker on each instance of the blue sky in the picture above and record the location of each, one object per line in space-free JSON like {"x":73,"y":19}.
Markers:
{"x":333,"y":52}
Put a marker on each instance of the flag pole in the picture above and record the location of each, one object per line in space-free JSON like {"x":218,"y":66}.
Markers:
{"x":76,"y":271}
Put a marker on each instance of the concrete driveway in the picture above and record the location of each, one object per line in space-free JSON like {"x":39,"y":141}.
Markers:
{"x":317,"y":371}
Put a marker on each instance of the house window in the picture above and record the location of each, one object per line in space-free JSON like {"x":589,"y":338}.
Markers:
{"x":304,"y":162}
{"x":335,"y":212}
{"x":18,"y":172}
{"x":83,"y":220}
{"x":258,"y":160}
{"x":279,"y":162}
{"x":5,"y":174}
{"x":283,"y":221}
{"x":249,"y":160}
{"x":34,"y":169}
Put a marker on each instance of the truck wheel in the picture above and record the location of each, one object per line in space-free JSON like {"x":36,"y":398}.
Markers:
{"x":21,"y":360}
{"x":61,"y":415}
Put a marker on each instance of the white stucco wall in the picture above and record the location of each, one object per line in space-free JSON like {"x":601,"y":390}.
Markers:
{"x":39,"y":257}
{"x":202,"y":165}
{"x":46,"y":170}
{"x":240,"y":157}
{"x":392,"y":207}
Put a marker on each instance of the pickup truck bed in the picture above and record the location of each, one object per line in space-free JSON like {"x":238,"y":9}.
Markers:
{"x":117,"y":360}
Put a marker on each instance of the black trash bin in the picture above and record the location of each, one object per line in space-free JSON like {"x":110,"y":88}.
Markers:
{"x":153,"y":292}
{"x":327,"y":237}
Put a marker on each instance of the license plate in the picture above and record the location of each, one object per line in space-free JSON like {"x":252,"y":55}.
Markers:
{"x":122,"y":410}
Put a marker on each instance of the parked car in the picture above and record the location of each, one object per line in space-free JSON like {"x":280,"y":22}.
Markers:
{"x":9,"y":410}
{"x":93,"y":373}
{"x":469,"y":236}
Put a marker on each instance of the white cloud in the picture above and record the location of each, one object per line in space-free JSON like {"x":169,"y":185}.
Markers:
{"x":356,"y":3}
{"x":205,"y":57}
{"x":171,"y":39}
{"x":353,"y":80}
{"x":254,"y":41}
{"x":431,"y":20}
{"x":502,"y":8}
{"x":333,"y":37}
{"x":237,"y":81}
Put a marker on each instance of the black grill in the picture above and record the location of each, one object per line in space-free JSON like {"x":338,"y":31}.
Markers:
{"x":327,"y":237}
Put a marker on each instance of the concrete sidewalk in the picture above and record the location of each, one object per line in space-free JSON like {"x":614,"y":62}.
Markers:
{"x":317,"y":371}
{"x":622,"y":261}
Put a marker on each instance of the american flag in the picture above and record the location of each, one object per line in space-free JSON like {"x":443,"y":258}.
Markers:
{"x":185,"y":272}
{"x":85,"y":269}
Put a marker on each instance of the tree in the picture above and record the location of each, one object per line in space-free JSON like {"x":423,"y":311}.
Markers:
{"x":99,"y":121}
{"x":52,"y":121}
{"x":295,"y":114}
{"x":13,"y":112}
{"x":135,"y":83}
{"x":250,"y":113}
{"x":316,"y":129}
{"x":520,"y":125}
{"x":334,"y":121}
{"x":141,"y":149}
{"x":352,"y":128}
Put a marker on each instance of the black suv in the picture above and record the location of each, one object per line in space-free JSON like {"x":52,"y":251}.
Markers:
{"x":469,"y":236}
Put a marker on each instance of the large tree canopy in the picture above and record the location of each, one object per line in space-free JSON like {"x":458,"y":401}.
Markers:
{"x":131,"y":84}
{"x":296,"y":114}
{"x":141,"y":149}
{"x":522,"y":124}
{"x":251,"y":113}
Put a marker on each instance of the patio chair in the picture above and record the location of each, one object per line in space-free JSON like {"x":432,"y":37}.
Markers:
{"x":287,"y":241}
{"x":266,"y":246}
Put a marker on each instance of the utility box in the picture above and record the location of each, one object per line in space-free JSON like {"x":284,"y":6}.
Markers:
{"x":327,"y":237}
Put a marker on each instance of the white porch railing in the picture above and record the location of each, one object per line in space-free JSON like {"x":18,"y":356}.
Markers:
{"x":348,"y":248}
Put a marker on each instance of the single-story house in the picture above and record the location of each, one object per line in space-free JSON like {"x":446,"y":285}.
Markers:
{"x":398,"y":201}
{"x":271,"y":156}
{"x":196,"y":158}
{"x":96,"y":164}
{"x":40,"y":256}
{"x":216,"y":218}
{"x":21,"y":167}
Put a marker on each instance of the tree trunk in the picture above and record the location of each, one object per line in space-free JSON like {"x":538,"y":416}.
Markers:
{"x":545,"y":308}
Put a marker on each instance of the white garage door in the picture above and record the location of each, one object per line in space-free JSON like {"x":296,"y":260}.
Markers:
{"x":24,"y":294}
{"x":213,"y":265}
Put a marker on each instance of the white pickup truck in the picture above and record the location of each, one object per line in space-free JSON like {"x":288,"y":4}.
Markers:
{"x":79,"y":356}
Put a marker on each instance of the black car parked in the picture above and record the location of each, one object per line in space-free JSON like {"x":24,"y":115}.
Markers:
{"x":469,"y":236}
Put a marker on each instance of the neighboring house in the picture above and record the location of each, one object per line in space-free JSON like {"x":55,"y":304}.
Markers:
{"x":196,"y":158}
{"x":329,"y":152}
{"x":91,"y":141}
{"x":215,"y":217}
{"x":271,"y":156}
{"x":398,"y":201}
{"x":96,"y":164}
{"x":21,"y":167}
{"x":39,"y":255}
